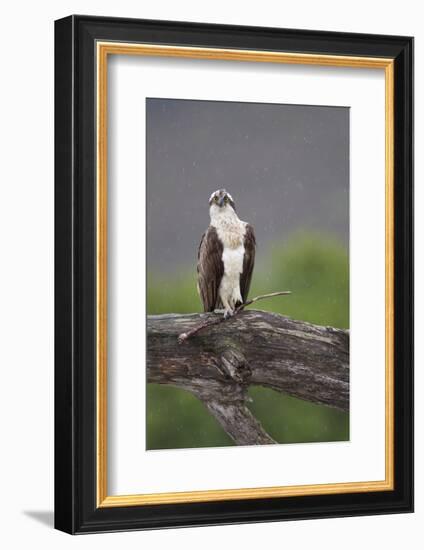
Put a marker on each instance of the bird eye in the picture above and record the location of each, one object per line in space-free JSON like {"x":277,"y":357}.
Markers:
{"x":215,"y":198}
{"x":225,"y":199}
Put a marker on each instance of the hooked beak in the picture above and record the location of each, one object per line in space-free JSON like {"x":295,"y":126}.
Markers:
{"x":221,"y":201}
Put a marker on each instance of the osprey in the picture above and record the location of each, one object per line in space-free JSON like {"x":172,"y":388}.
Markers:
{"x":226,"y":257}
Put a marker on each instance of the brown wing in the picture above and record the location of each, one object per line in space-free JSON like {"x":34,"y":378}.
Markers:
{"x":210,"y":269}
{"x":248,"y":261}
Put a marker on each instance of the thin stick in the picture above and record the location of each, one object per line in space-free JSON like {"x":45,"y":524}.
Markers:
{"x":262,"y":297}
{"x":218,"y":320}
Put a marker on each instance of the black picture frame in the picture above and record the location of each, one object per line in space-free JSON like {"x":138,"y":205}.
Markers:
{"x":76,"y":508}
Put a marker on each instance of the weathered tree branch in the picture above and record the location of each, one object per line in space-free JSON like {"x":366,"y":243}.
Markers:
{"x":221,"y":319}
{"x":253,"y":348}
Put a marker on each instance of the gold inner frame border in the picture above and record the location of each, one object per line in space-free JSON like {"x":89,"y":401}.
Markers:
{"x":103,"y":50}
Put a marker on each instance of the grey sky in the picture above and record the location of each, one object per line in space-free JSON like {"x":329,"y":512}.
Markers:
{"x":287,"y":167}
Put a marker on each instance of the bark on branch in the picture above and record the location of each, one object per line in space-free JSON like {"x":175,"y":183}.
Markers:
{"x":254,"y":348}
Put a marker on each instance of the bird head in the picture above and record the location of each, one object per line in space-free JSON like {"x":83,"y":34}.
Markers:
{"x":221,"y":200}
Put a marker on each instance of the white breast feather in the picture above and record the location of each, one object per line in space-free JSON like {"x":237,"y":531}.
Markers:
{"x":229,"y":289}
{"x":231,"y":231}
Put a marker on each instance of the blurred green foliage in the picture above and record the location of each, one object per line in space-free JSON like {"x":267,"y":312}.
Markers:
{"x":316,"y":269}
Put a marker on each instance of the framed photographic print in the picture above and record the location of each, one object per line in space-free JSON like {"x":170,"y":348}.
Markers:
{"x":233,"y":266}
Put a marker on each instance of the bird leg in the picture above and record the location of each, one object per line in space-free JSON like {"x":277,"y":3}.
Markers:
{"x":228,"y":310}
